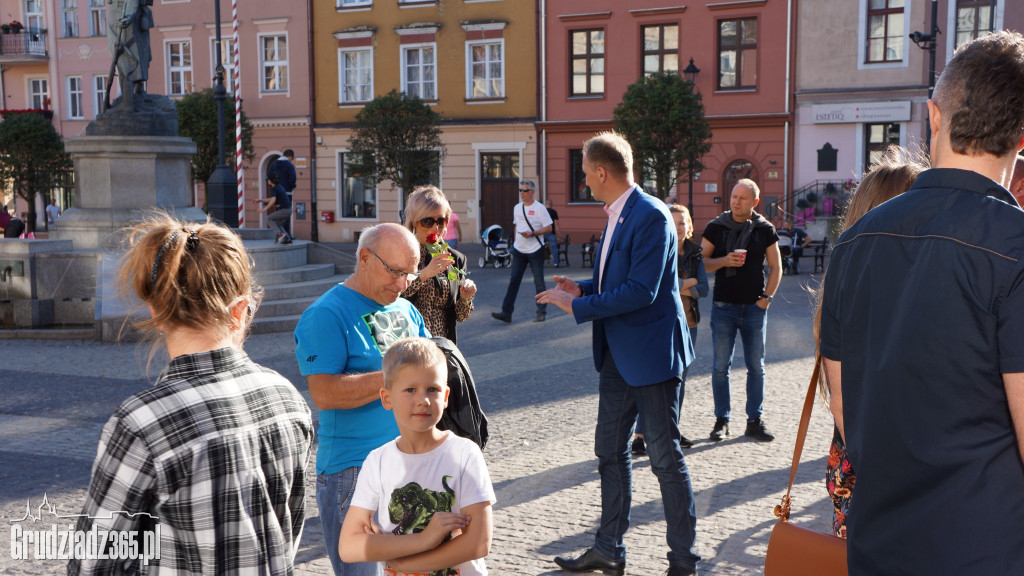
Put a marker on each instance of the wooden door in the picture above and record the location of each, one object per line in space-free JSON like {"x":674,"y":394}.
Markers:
{"x":499,"y":189}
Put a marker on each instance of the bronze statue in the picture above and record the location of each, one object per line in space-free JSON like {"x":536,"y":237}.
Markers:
{"x":128,"y":24}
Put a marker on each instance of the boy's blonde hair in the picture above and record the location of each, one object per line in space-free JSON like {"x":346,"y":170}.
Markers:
{"x":419,"y":352}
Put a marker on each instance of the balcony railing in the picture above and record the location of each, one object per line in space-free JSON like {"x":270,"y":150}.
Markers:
{"x":24,"y":43}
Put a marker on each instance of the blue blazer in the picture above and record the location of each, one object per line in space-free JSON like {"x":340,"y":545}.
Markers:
{"x":638,"y":312}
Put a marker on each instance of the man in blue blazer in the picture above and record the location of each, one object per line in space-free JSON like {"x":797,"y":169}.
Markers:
{"x":641,"y":346}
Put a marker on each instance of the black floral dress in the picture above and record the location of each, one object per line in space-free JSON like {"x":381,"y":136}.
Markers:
{"x":839,"y":480}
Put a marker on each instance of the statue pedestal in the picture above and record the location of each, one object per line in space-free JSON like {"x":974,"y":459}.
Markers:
{"x":118,"y":179}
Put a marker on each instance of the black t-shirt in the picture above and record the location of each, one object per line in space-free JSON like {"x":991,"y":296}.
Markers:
{"x":747,"y":285}
{"x":554,"y":220}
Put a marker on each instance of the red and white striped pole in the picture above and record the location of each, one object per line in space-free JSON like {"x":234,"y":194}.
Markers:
{"x":240,"y":174}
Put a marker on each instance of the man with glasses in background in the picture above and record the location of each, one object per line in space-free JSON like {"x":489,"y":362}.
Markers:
{"x":340,"y":342}
{"x":531,"y":222}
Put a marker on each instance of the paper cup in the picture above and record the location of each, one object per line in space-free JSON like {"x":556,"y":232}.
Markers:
{"x":742,"y":253}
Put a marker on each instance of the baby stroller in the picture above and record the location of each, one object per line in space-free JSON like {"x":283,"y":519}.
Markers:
{"x":495,"y":248}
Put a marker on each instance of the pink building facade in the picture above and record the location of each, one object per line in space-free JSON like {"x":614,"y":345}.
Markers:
{"x":594,"y":49}
{"x":61,"y":62}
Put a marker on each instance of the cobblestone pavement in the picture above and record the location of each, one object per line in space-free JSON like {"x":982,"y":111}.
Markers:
{"x":538,"y":386}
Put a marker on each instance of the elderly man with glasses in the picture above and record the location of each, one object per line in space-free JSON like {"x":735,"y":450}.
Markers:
{"x":531,"y":222}
{"x":339,"y":343}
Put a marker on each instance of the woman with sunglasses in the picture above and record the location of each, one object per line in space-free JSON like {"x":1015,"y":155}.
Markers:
{"x":214,"y":453}
{"x":442,"y":298}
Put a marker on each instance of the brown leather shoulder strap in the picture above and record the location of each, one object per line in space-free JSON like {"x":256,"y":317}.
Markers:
{"x":805,"y":419}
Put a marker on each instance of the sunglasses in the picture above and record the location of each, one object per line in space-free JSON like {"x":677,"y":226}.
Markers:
{"x":526,"y":189}
{"x":431,"y":222}
{"x":396,"y":274}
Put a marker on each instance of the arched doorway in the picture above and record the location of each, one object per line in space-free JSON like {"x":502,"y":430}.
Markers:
{"x":268,"y":160}
{"x":734,"y":172}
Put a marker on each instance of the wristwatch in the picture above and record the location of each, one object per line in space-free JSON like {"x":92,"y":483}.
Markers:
{"x":768,"y":298}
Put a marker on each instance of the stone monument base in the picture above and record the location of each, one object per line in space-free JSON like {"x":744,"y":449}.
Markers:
{"x":119,"y":179}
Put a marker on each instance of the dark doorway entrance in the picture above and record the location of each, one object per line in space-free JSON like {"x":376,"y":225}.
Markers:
{"x":735,"y":172}
{"x":499,"y":189}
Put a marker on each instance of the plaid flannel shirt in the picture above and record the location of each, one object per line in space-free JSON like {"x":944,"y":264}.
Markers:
{"x":216,"y":451}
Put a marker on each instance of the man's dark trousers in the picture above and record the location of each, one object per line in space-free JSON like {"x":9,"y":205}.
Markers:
{"x":535,"y":260}
{"x":657,"y":405}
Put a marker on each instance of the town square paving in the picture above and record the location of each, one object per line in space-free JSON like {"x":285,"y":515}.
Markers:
{"x":538,"y":386}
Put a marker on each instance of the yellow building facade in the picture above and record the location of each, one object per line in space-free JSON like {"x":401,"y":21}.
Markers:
{"x":474,"y":62}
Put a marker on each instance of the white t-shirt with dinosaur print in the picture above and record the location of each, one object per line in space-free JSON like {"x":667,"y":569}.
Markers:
{"x":406,"y":489}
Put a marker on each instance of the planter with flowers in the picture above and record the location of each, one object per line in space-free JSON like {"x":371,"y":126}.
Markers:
{"x":16,"y":27}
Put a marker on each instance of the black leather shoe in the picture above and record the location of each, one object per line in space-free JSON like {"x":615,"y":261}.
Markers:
{"x":721,"y":429}
{"x":758,"y":431}
{"x":592,"y":561}
{"x":540,"y":317}
{"x":501,"y":316}
{"x":638,"y":449}
{"x":680,"y":571}
{"x":685,"y":442}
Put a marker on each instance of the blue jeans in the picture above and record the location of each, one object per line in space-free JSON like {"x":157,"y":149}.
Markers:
{"x":682,"y":385}
{"x":535,"y":260}
{"x":333,"y":496}
{"x":751,"y":321}
{"x":658,"y":408}
{"x":552,"y":240}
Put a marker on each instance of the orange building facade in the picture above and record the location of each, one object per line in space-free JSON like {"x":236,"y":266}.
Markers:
{"x":474,"y":62}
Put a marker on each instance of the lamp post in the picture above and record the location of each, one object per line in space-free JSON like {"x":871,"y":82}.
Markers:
{"x":221,"y":188}
{"x":928,"y":42}
{"x":690,"y":72}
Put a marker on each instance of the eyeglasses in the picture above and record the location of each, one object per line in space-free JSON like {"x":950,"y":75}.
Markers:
{"x":397,"y":274}
{"x":431,"y":222}
{"x":526,"y":189}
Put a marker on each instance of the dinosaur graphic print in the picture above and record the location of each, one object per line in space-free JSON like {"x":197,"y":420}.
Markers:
{"x":412,"y":506}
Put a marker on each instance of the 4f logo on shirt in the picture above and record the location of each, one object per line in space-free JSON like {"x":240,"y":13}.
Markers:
{"x":387,"y":327}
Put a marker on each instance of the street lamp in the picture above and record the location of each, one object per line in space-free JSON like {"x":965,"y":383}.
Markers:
{"x":221,"y":188}
{"x":928,"y":42}
{"x":690,"y":72}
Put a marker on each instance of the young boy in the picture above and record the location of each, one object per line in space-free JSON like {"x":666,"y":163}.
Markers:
{"x":430,"y":488}
{"x":279,"y":207}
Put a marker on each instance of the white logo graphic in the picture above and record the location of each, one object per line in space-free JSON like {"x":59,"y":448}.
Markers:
{"x":58,"y":543}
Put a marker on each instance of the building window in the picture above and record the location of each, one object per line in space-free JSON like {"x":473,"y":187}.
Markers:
{"x":38,"y":93}
{"x":737,"y":54}
{"x":354,"y":3}
{"x":74,"y":93}
{"x":34,"y":15}
{"x":974,"y":18}
{"x":485,"y":69}
{"x":661,"y":48}
{"x":275,"y":63}
{"x":587,"y":49}
{"x":355,"y":75}
{"x":877,"y":139}
{"x":70,"y":18}
{"x":99,"y":94}
{"x":418,"y":71}
{"x":227,"y":59}
{"x":97,"y":18}
{"x":357,"y":193}
{"x":885,"y":30}
{"x":578,"y":184}
{"x":179,"y":67}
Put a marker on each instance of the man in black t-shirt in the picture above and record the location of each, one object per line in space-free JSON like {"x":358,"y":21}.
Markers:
{"x":735,"y":247}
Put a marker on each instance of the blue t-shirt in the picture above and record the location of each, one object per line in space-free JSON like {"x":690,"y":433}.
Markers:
{"x":344,"y":332}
